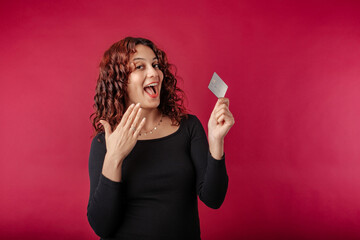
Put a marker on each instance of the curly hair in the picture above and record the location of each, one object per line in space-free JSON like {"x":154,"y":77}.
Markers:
{"x":112,"y":82}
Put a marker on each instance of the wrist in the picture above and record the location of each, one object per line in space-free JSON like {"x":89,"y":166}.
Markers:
{"x":216,"y":148}
{"x":112,"y":168}
{"x":214,"y":140}
{"x":113,"y":160}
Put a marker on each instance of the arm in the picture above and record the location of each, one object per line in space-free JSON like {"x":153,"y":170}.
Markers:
{"x":211,"y":175}
{"x":105,"y":161}
{"x":104,"y":207}
{"x":220,"y":122}
{"x":212,"y":179}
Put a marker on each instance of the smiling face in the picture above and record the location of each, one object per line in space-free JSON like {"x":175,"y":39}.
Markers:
{"x":144,"y":83}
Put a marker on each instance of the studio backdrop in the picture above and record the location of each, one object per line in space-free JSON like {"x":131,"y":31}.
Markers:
{"x":293,"y":73}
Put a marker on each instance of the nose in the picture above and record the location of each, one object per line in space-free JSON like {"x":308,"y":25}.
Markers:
{"x":152,"y":72}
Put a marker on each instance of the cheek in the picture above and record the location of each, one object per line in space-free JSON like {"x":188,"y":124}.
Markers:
{"x":132,"y":86}
{"x":135,"y":79}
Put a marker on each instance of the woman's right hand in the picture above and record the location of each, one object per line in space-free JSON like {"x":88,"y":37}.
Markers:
{"x":121,"y":141}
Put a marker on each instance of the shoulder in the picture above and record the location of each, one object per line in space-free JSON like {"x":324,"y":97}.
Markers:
{"x":97,"y":151}
{"x":192,"y":124}
{"x":98,"y":140}
{"x":189,"y":118}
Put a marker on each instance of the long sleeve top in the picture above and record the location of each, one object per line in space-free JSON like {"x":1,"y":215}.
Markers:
{"x":157,"y":195}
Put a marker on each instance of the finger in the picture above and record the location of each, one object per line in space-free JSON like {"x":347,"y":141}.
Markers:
{"x":219,"y":113}
{"x":136,"y":120}
{"x":221,"y":118}
{"x":222,"y":112}
{"x":142,"y":123}
{"x":220,"y":108}
{"x":107,"y":127}
{"x":230,"y":120}
{"x":132,"y":116}
{"x":215,"y":108}
{"x":125,"y":116}
{"x":227,"y":119}
{"x":226,"y":101}
{"x":219,"y":102}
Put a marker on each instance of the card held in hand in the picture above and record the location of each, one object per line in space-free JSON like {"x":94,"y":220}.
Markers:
{"x":218,"y":86}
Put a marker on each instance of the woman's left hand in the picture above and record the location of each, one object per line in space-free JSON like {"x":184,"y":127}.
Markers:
{"x":220,"y":122}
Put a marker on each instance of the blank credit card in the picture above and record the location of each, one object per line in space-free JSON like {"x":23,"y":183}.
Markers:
{"x":218,"y":86}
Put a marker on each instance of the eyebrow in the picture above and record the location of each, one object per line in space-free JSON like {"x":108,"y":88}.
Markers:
{"x":155,"y":58}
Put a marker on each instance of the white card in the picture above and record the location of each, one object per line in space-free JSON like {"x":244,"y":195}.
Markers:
{"x":217,"y":86}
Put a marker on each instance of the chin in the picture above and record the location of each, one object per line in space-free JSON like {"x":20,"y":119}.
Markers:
{"x":154,"y":104}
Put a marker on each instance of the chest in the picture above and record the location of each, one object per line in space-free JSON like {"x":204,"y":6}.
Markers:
{"x":158,"y":167}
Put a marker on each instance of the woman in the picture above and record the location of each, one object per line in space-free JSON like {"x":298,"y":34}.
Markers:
{"x":149,"y":159}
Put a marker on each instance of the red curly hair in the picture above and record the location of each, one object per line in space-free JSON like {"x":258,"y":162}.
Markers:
{"x":111,"y":85}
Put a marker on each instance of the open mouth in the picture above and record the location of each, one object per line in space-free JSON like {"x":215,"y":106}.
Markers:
{"x":152,"y":89}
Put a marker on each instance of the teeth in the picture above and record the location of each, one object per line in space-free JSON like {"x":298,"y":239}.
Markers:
{"x":152,"y":85}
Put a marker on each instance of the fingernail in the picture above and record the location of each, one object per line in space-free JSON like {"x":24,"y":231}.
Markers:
{"x":138,"y":104}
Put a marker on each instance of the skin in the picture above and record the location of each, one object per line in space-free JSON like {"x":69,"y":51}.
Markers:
{"x":142,"y":115}
{"x":145,"y":70}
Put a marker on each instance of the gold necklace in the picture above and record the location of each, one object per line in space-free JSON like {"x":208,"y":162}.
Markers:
{"x":152,"y":130}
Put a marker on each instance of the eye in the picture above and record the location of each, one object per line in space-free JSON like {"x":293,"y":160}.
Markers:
{"x":139,"y":67}
{"x":156,"y":65}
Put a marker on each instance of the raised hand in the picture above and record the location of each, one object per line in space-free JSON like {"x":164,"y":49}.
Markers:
{"x":220,"y":122}
{"x":121,"y":141}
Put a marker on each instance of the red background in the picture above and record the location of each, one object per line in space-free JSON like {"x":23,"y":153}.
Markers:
{"x":293,"y":73}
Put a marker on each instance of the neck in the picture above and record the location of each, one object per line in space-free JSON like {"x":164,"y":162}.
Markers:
{"x":152,"y":118}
